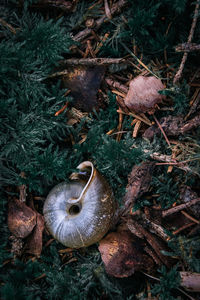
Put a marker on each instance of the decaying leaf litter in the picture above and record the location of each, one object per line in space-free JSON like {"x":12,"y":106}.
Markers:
{"x":142,"y":229}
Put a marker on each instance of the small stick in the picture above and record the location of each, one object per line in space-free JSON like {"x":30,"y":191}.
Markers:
{"x":187,"y":47}
{"x":135,"y":116}
{"x":62,"y":109}
{"x":86,"y":52}
{"x":183,"y":228}
{"x":22,"y":189}
{"x":180,"y":290}
{"x":107,"y":9}
{"x":180,"y":207}
{"x":118,"y":93}
{"x":190,"y":217}
{"x":117,"y":85}
{"x":101,"y":43}
{"x":10,"y":27}
{"x":110,"y":131}
{"x":138,"y":60}
{"x":119,"y":127}
{"x":136,"y":128}
{"x":194,"y":103}
{"x":84,"y":33}
{"x":90,"y":49}
{"x":161,"y":129}
{"x":185,"y":55}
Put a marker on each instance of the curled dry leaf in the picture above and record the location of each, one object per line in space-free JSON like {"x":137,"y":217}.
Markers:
{"x":122,"y":254}
{"x":84,"y":82}
{"x":143,"y":94}
{"x":34,"y":241}
{"x":138,"y":182}
{"x":21,"y":218}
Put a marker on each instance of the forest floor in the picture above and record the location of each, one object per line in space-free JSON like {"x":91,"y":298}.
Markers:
{"x":116,"y":83}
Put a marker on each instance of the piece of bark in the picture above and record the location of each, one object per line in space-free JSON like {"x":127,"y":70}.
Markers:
{"x":156,"y":244}
{"x":16,"y":245}
{"x":123,"y":255}
{"x":191,"y":124}
{"x":84,"y":82}
{"x":190,"y":281}
{"x":179,"y":207}
{"x":21,"y":218}
{"x":143,"y":94}
{"x":186,"y":195}
{"x":34,"y":241}
{"x":138,"y":183}
{"x":172,"y":126}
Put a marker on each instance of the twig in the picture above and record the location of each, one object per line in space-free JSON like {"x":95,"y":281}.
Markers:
{"x":193,"y":123}
{"x":155,"y":244}
{"x":119,"y":127}
{"x":10,"y":27}
{"x":161,"y":129}
{"x":118,"y":93}
{"x":84,"y":33}
{"x":185,"y":55}
{"x":187,"y":47}
{"x":183,"y":228}
{"x":94,"y":61}
{"x":101,"y":43}
{"x":107,"y":9}
{"x":135,"y":116}
{"x":190,"y":217}
{"x":168,"y":161}
{"x":90,"y":49}
{"x":136,"y":128}
{"x":180,"y":290}
{"x":194,"y":103}
{"x":22,"y":190}
{"x":115,"y":84}
{"x":180,"y":207}
{"x":138,"y":60}
{"x":62,"y":109}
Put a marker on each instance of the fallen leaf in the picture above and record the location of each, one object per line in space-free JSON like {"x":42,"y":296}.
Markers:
{"x":21,"y":218}
{"x":143,"y":94}
{"x":138,"y":182}
{"x":84,"y":82}
{"x":34,"y":241}
{"x":123,"y":255}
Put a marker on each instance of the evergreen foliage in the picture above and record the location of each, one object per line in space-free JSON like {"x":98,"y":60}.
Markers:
{"x":38,"y":143}
{"x":168,"y":281}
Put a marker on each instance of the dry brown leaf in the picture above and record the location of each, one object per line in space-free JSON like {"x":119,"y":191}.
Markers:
{"x":143,"y":94}
{"x":21,"y":218}
{"x":84,"y":82}
{"x":34,"y":241}
{"x":122,"y":254}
